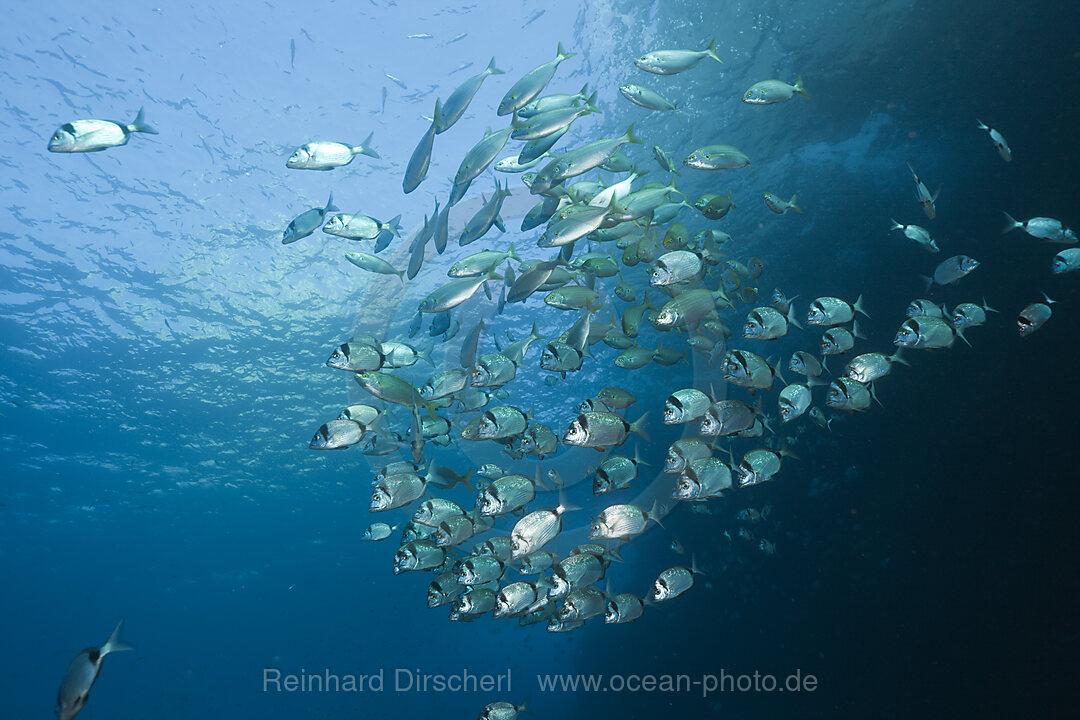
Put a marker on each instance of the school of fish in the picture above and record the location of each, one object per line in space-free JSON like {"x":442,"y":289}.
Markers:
{"x":492,"y":549}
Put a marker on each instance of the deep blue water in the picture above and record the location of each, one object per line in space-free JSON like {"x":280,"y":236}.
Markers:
{"x":162,"y":364}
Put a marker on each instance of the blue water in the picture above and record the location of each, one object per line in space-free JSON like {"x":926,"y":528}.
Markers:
{"x":162,"y":366}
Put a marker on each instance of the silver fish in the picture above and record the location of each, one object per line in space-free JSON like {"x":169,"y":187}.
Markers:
{"x":670,"y":62}
{"x":96,"y":135}
{"x":459,"y":100}
{"x":531,"y":84}
{"x":83,"y":672}
{"x":328,"y":155}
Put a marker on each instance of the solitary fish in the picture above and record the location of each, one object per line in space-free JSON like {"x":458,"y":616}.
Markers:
{"x":96,"y":135}
{"x":328,"y":155}
{"x":999,"y":141}
{"x":780,"y":207}
{"x":768,"y":92}
{"x":922,"y":193}
{"x":83,"y":672}
{"x":670,"y":62}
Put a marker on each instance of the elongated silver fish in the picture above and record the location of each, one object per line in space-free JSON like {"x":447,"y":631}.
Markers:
{"x":531,"y":84}
{"x":459,"y":100}
{"x":416,"y":170}
{"x":670,"y":62}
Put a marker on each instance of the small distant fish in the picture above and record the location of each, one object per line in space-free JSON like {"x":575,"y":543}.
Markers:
{"x":533,"y":18}
{"x":454,"y":39}
{"x":96,"y":135}
{"x":397,"y":81}
{"x":999,"y":141}
{"x":83,"y":672}
{"x":418,"y":36}
{"x":780,"y":207}
{"x":923,"y":195}
{"x":919,"y":234}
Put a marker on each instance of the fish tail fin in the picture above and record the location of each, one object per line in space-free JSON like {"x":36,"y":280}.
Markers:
{"x":896,"y":357}
{"x":512,"y":254}
{"x":630,"y":136}
{"x":492,"y":70}
{"x":436,"y":116}
{"x":895,"y":225}
{"x":330,"y":206}
{"x":859,"y":308}
{"x":791,"y":203}
{"x":855,"y":330}
{"x":982,"y":125}
{"x":1048,"y":300}
{"x":791,"y":318}
{"x":564,"y":506}
{"x":584,"y":90}
{"x":464,"y":480}
{"x":694,"y":569}
{"x":711,"y":50}
{"x":401,"y":276}
{"x":591,"y":104}
{"x":139,"y":124}
{"x":1012,"y":224}
{"x":927,"y":282}
{"x":960,"y":334}
{"x":365,"y":148}
{"x":638,"y":460}
{"x":654,"y":510}
{"x":394,"y":226}
{"x":425,"y":355}
{"x":873,"y":394}
{"x":800,"y":89}
{"x":116,"y":643}
{"x":638,"y":426}
{"x":987,"y":308}
{"x":563,"y":55}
